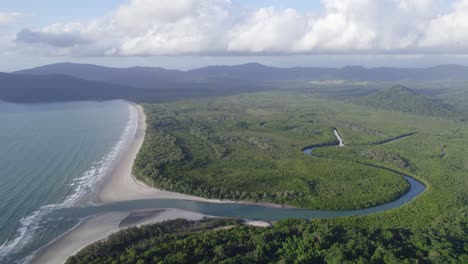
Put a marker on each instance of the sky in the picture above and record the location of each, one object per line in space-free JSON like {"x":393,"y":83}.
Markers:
{"x":185,"y":34}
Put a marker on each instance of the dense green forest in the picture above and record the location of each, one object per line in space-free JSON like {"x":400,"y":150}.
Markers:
{"x":403,"y":99}
{"x":444,"y":240}
{"x":249,"y":148}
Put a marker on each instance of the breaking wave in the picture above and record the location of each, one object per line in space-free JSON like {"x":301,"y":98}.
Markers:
{"x":81,"y":190}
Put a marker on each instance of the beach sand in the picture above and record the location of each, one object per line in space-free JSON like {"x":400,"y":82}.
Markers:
{"x":99,"y":227}
{"x":121,"y":185}
{"x":257,"y":223}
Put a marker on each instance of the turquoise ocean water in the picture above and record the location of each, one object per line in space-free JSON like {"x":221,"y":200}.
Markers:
{"x":52,"y":156}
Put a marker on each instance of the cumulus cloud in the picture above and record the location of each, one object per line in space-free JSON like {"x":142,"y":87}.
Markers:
{"x":142,"y":27}
{"x":367,"y":25}
{"x":267,"y":30}
{"x":171,"y":27}
{"x":448,"y":31}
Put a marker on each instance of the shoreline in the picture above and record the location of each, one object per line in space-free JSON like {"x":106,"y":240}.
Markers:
{"x":99,"y":227}
{"x":121,"y":185}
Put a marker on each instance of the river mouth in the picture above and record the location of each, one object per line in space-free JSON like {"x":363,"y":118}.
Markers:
{"x":243,"y":210}
{"x":74,"y":215}
{"x":63,"y":220}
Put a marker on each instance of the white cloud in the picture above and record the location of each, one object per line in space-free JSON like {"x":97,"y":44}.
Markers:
{"x":143,"y":27}
{"x":8,"y":17}
{"x":170,"y":27}
{"x":267,"y":30}
{"x":138,"y":14}
{"x":366,"y":25}
{"x":345,"y":26}
{"x":448,"y":31}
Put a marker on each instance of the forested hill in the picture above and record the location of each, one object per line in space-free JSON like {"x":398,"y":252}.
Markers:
{"x":54,"y":88}
{"x":139,"y":77}
{"x":28,"y":88}
{"x":402,"y":99}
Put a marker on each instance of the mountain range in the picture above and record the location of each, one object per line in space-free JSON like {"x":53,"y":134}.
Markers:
{"x":70,"y":81}
{"x":153,"y":77}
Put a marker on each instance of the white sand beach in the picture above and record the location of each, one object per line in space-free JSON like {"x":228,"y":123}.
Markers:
{"x":121,"y":185}
{"x":99,"y":227}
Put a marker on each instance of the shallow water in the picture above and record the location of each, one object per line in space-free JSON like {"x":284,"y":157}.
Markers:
{"x":51,"y":157}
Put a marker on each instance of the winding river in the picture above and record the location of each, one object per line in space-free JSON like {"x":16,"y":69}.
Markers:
{"x":65,"y":219}
{"x":249,"y":211}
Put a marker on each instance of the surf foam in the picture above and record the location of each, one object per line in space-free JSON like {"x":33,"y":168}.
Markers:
{"x":81,"y":188}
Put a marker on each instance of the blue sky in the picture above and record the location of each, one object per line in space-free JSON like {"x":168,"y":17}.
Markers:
{"x":191,"y":33}
{"x":44,"y":12}
{"x":54,"y":11}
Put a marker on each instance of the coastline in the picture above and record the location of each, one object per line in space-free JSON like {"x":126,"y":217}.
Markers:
{"x":99,"y":227}
{"x":121,"y":185}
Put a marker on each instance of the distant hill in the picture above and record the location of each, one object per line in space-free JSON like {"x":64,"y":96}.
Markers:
{"x":259,"y":72}
{"x":70,"y":80}
{"x":139,"y":77}
{"x":53,"y":88}
{"x":160,"y":78}
{"x":256,"y":72}
{"x":27,"y":88}
{"x":402,"y":99}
